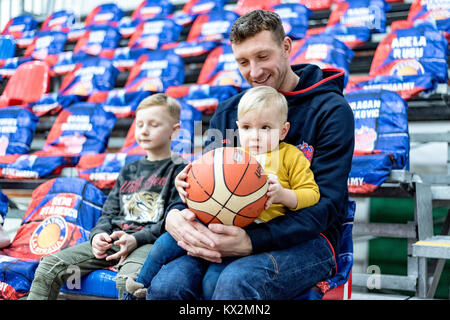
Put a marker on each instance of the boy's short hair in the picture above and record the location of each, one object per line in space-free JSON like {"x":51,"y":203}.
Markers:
{"x":263,"y":97}
{"x":161,"y":99}
{"x":254,"y":22}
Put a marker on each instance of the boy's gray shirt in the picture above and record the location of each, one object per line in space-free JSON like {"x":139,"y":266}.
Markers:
{"x":137,"y":202}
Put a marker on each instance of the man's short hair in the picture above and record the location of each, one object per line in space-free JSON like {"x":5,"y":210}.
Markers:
{"x":263,"y":97}
{"x":253,"y":23}
{"x":161,"y":99}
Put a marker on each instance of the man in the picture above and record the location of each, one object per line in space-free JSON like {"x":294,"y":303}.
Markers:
{"x":281,"y":258}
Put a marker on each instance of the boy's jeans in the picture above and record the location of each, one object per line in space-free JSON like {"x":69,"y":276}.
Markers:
{"x":280,"y":274}
{"x":55,"y":269}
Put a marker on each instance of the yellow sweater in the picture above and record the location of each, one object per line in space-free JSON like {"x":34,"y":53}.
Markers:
{"x":292,"y":168}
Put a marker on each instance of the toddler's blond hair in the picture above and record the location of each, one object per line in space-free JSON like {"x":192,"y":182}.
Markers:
{"x":263,"y":97}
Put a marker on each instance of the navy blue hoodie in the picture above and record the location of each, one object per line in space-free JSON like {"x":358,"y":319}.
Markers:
{"x":322,"y":126}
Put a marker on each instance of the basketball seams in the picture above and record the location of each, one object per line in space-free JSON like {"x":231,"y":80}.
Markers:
{"x":223,"y":204}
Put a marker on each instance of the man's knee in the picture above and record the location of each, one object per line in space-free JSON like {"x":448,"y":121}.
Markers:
{"x":237,"y":284}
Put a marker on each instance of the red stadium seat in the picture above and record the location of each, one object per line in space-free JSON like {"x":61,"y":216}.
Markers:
{"x":29,"y":82}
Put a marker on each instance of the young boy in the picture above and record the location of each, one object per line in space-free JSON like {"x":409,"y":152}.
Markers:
{"x":132,"y":216}
{"x":262,"y":124}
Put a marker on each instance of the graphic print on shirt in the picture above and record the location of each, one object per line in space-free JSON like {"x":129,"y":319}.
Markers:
{"x":143,"y":206}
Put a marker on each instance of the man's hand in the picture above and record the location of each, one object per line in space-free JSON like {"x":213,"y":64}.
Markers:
{"x":127,"y":243}
{"x":101,"y":242}
{"x":209,"y":243}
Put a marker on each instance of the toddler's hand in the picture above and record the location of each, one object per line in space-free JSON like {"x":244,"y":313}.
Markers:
{"x":181,"y":184}
{"x":274,"y":190}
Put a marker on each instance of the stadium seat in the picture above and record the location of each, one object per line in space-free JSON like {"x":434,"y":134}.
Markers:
{"x":220,"y":68}
{"x":439,"y":14}
{"x":155,"y":71}
{"x":245,"y":6}
{"x":338,"y":286}
{"x":152,"y":34}
{"x":381,"y":138}
{"x":204,"y":98}
{"x":17,"y":129}
{"x":212,"y":26}
{"x":61,"y":214}
{"x":409,"y":68}
{"x":317,"y":4}
{"x":98,"y":41}
{"x":123,"y":104}
{"x":18,"y":26}
{"x":46,"y":44}
{"x":28,"y":83}
{"x":323,"y":50}
{"x":83,"y":128}
{"x":295,"y":18}
{"x":61,"y":20}
{"x":149,"y":9}
{"x":7,"y":47}
{"x":361,"y":13}
{"x":90,"y":75}
{"x":108,"y":14}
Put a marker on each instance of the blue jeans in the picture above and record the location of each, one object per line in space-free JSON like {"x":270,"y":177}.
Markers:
{"x":164,"y":250}
{"x":274,"y":275}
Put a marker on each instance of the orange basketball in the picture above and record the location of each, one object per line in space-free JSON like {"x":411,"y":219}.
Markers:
{"x":226,"y":185}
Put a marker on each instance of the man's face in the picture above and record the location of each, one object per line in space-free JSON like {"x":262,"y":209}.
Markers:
{"x":262,"y":61}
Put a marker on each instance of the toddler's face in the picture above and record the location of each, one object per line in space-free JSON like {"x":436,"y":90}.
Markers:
{"x":260,"y":131}
{"x":154,"y":128}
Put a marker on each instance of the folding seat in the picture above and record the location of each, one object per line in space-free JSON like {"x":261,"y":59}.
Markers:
{"x":323,"y":50}
{"x":220,"y":68}
{"x":7,"y":47}
{"x":119,"y":102}
{"x":366,"y":13}
{"x":149,"y":9}
{"x":245,"y":6}
{"x":17,"y":128}
{"x":212,"y":26}
{"x":61,"y":20}
{"x":89,"y":76}
{"x":98,"y":41}
{"x":82,"y":128}
{"x":316,"y":4}
{"x":204,"y":97}
{"x":103,"y":169}
{"x":411,"y":60}
{"x":152,"y":34}
{"x":22,"y":29}
{"x":52,"y":104}
{"x":381,"y":138}
{"x":9,"y":66}
{"x":28,"y":83}
{"x":155,"y":71}
{"x":125,"y":58}
{"x":61,"y":214}
{"x":192,"y":8}
{"x":295,"y":18}
{"x":46,"y":44}
{"x":352,"y":36}
{"x":105,"y":14}
{"x":432,"y":11}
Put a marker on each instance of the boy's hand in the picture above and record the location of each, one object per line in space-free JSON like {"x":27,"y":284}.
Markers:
{"x":181,"y":184}
{"x":127,"y":243}
{"x":100,"y":243}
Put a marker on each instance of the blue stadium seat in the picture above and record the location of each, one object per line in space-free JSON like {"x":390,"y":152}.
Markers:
{"x":63,"y":211}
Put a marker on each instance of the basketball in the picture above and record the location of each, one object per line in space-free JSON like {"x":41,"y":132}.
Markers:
{"x":228,"y":186}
